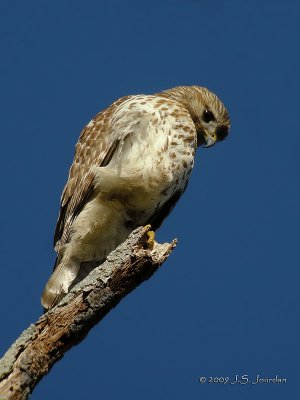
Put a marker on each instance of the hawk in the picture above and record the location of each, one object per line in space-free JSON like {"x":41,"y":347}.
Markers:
{"x":132,"y":163}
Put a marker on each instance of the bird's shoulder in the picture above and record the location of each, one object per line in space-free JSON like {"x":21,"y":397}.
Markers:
{"x":150,"y":105}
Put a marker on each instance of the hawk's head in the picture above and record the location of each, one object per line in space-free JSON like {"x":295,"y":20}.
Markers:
{"x":208,"y":113}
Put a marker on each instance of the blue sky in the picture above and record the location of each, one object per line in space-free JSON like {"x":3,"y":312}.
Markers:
{"x":227,"y":300}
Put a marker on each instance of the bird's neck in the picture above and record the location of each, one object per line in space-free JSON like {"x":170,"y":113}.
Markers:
{"x":188,"y":97}
{"x":185,"y":95}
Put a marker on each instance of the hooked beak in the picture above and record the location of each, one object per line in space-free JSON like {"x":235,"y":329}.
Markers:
{"x":210,"y":140}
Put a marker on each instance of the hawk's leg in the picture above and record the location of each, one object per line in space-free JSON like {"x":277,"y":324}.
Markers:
{"x":109,"y":180}
{"x":150,"y":240}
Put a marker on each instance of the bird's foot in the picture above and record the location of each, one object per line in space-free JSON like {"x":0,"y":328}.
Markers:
{"x":150,"y":239}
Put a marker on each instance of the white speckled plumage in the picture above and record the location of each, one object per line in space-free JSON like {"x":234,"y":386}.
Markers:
{"x":132,"y":163}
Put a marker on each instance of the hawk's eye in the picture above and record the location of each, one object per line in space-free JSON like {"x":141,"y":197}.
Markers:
{"x":208,"y":116}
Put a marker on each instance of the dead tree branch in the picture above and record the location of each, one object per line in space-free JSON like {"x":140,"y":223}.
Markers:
{"x":45,"y":342}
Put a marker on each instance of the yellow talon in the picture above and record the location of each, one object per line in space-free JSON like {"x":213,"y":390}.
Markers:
{"x":150,"y":240}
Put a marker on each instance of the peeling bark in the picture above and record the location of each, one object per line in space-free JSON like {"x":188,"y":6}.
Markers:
{"x":45,"y":342}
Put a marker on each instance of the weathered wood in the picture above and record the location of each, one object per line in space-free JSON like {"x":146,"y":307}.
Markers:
{"x":46,"y":341}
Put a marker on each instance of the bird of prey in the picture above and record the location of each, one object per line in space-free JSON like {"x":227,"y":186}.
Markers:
{"x":132,"y":163}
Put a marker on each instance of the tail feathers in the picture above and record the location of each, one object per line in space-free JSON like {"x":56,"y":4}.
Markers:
{"x":60,"y":281}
